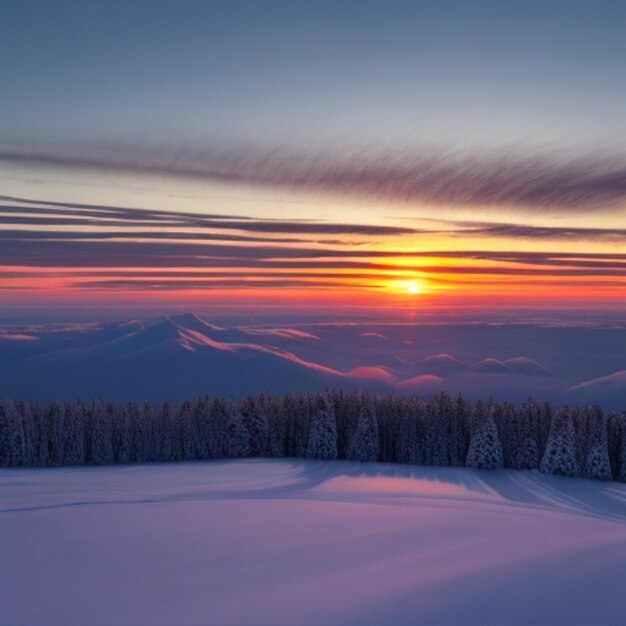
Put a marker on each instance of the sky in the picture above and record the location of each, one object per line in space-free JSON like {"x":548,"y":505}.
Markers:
{"x":386,"y":156}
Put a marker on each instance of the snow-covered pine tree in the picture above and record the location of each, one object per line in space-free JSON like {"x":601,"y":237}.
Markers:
{"x":386,"y":417}
{"x":27,"y":418}
{"x":506,"y":419}
{"x":11,"y":435}
{"x":597,"y":463}
{"x":409,"y":442}
{"x":436,"y":427}
{"x":167,"y":440}
{"x":528,"y":451}
{"x":560,"y":453}
{"x":485,"y":449}
{"x":323,"y":431}
{"x":303,"y":409}
{"x":545,"y":424}
{"x":74,"y":434}
{"x":122,"y":435}
{"x":622,"y":450}
{"x":238,"y":435}
{"x":189,"y":431}
{"x":364,"y":444}
{"x":140,"y":432}
{"x":41,"y":437}
{"x":278,"y":427}
{"x":527,"y":454}
{"x":614,"y":428}
{"x":56,"y":442}
{"x":582,"y":436}
{"x":347,"y":407}
{"x":458,"y":432}
{"x":100,"y":434}
{"x":202,"y":410}
{"x":217,"y":430}
{"x":255,"y":418}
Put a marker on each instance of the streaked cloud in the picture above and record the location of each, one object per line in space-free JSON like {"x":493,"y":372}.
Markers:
{"x":496,"y":178}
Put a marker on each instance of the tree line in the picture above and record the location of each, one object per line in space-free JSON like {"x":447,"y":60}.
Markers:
{"x":447,"y":431}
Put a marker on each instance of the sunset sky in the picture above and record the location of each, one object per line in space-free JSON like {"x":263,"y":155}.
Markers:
{"x":358,"y":155}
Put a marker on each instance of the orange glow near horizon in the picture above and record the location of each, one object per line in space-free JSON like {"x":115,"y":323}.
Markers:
{"x":115,"y":256}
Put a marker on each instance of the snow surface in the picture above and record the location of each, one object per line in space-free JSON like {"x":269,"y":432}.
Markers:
{"x":308,"y":542}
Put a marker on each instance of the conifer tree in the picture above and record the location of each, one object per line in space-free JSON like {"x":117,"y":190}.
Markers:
{"x":364,"y":442}
{"x":27,"y":418}
{"x":238,"y":435}
{"x":56,"y":441}
{"x":560,"y":453}
{"x":101,"y":434}
{"x":41,"y":435}
{"x":323,"y":432}
{"x":74,"y":434}
{"x":255,"y":418}
{"x":409,"y":442}
{"x":622,"y":450}
{"x":122,"y":436}
{"x":485,"y":449}
{"x":597,"y":463}
{"x":11,"y":435}
{"x":527,"y":454}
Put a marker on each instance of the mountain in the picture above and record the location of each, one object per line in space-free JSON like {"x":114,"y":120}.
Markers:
{"x":524,"y":365}
{"x":442,"y":365}
{"x":178,"y":356}
{"x":163,"y":359}
{"x":609,"y":390}
{"x":491,"y":365}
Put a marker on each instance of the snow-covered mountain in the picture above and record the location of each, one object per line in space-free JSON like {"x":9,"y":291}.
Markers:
{"x":170,"y":358}
{"x":607,"y":390}
{"x":178,"y":356}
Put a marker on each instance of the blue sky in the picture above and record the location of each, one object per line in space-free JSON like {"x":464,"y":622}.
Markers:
{"x":314,"y":73}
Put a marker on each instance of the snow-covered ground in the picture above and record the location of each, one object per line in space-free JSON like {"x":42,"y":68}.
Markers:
{"x":308,"y":542}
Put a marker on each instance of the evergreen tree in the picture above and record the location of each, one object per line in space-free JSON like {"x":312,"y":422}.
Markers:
{"x":203,"y":418}
{"x":27,"y":418}
{"x":218,"y":430}
{"x":101,"y":434}
{"x":277,"y":424}
{"x":74,"y":434}
{"x":323,"y":432}
{"x":597,"y":461}
{"x":458,"y":432}
{"x":364,"y":442}
{"x":255,"y":418}
{"x":122,"y":436}
{"x":528,"y":437}
{"x":437,"y":426}
{"x":238,"y":435}
{"x":560,"y":453}
{"x":12,"y":449}
{"x":190,"y":434}
{"x":41,"y":435}
{"x":409,"y":441}
{"x":622,"y":450}
{"x":56,"y":441}
{"x":485,"y":449}
{"x":506,"y":419}
{"x":527,"y":454}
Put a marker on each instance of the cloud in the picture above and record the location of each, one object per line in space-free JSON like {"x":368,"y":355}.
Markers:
{"x":523,"y":231}
{"x":117,"y":216}
{"x":500,"y":178}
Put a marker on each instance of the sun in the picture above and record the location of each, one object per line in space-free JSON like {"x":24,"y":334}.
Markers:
{"x":413,"y":288}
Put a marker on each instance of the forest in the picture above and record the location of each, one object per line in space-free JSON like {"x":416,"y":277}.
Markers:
{"x":446,"y":431}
